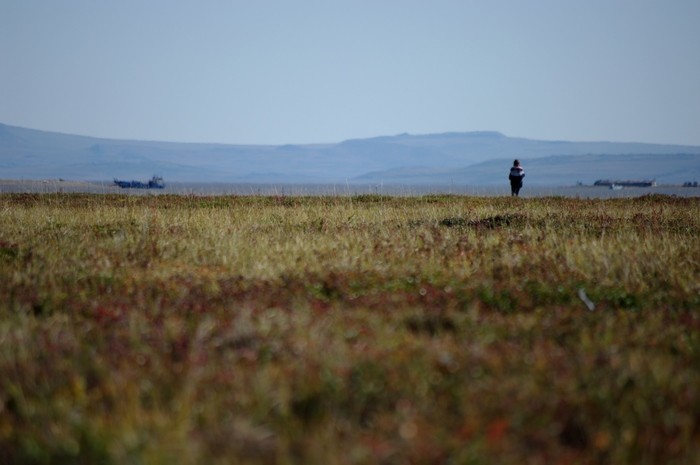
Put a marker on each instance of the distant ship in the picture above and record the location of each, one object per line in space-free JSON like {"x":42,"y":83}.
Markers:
{"x":626,"y":183}
{"x":156,"y":182}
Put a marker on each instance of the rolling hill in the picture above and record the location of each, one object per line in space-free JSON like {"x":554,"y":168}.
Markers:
{"x":470,"y":157}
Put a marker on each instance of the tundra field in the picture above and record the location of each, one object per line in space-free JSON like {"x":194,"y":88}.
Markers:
{"x":349,"y":330}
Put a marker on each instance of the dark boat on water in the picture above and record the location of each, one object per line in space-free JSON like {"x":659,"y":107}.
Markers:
{"x":613,"y":184}
{"x":156,"y":182}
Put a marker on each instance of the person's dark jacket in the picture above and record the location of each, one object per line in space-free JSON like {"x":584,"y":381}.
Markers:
{"x":517,"y":173}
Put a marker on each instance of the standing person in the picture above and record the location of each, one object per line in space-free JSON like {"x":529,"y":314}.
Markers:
{"x":517,"y":173}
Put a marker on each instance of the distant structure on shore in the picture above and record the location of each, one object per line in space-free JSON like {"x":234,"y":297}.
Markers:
{"x":156,"y":182}
{"x":625,"y":183}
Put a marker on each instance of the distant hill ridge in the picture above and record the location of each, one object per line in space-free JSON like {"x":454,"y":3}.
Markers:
{"x":479,"y":158}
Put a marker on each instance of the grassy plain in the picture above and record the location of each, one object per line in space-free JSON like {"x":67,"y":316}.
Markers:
{"x":349,"y":330}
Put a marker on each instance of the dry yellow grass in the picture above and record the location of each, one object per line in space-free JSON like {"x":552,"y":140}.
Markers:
{"x":339,"y":330}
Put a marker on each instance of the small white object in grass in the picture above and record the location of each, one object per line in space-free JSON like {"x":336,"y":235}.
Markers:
{"x":589,"y":303}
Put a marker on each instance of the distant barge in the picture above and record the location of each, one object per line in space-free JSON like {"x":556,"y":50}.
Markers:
{"x":620,"y":184}
{"x":156,"y":182}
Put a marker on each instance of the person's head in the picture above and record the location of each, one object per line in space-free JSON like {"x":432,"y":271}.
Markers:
{"x":516,"y":162}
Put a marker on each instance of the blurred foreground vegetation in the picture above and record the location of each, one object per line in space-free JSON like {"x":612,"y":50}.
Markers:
{"x":349,"y":330}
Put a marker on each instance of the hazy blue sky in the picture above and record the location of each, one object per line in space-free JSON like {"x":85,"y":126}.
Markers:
{"x":324,"y":71}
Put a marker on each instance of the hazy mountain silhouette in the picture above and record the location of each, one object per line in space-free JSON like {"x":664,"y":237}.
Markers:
{"x":560,"y":170}
{"x":469,"y":157}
